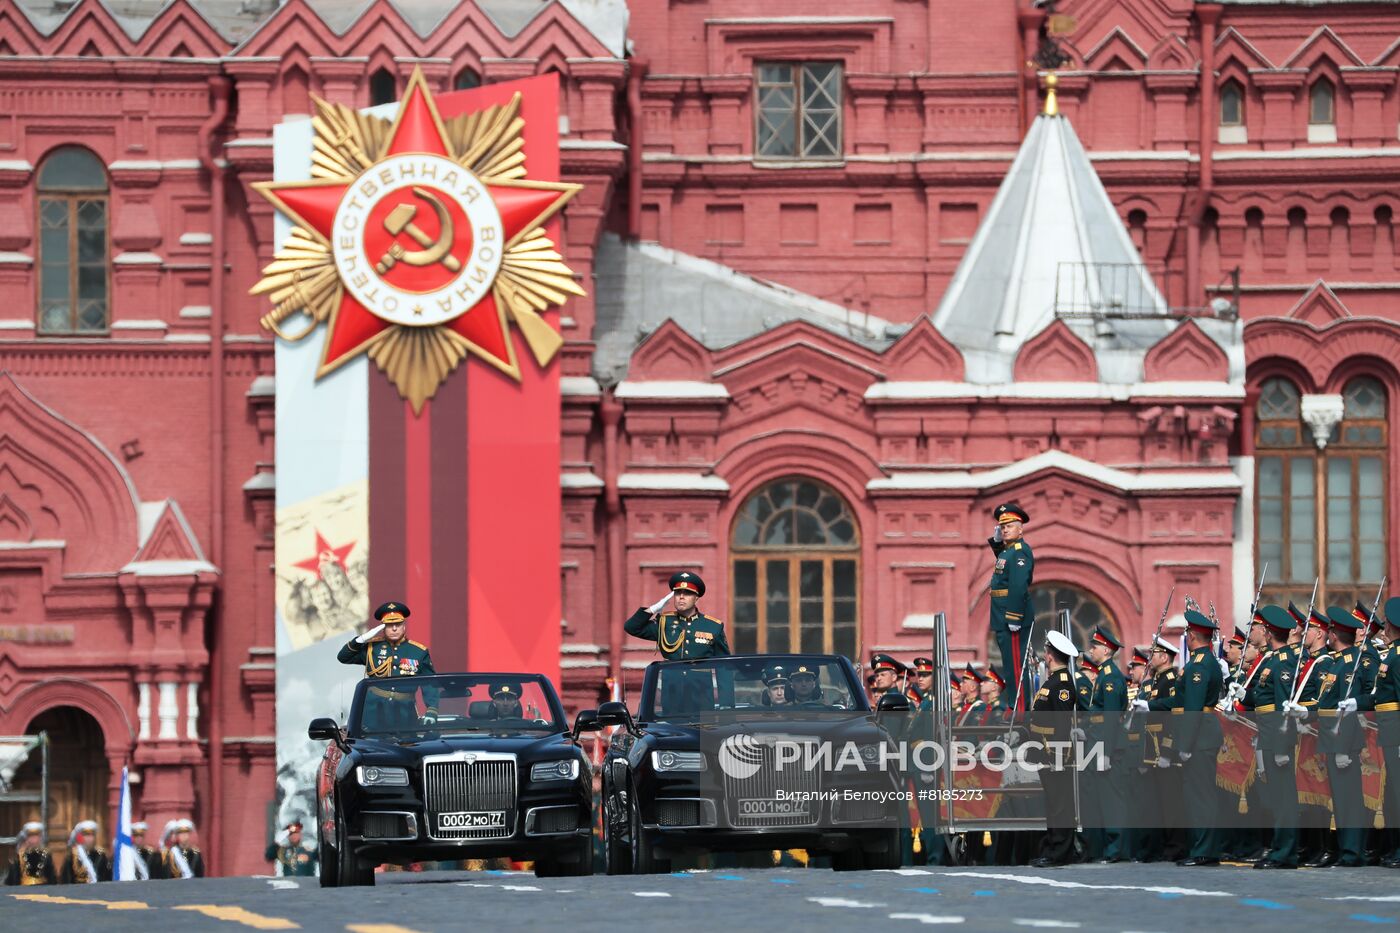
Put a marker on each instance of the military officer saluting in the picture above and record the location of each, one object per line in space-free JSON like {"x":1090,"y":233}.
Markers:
{"x":1012,"y":575}
{"x":32,"y":863}
{"x":295,"y":858}
{"x":385,"y":658}
{"x":687,"y":633}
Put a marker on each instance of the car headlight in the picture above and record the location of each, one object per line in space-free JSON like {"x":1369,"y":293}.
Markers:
{"x":563,"y":770}
{"x":678,"y":761}
{"x":374,"y":776}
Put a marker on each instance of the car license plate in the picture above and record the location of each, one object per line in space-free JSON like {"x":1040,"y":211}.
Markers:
{"x":767,"y":806}
{"x":485,"y":819}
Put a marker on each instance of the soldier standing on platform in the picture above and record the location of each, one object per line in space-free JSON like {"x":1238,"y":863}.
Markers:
{"x":1387,"y":710}
{"x":685,"y":634}
{"x":1268,"y":693}
{"x":1197,"y":741}
{"x":1012,"y":575}
{"x":32,"y":863}
{"x":1051,"y":721}
{"x":394,"y":655}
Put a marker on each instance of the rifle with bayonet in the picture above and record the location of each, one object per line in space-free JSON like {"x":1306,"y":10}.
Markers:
{"x":1362,"y":641}
{"x":1127,"y":723}
{"x":1302,"y":650}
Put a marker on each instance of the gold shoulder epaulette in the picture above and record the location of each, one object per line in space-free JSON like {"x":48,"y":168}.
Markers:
{"x":418,"y":644}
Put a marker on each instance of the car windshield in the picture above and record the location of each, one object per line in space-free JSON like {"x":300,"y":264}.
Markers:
{"x":455,"y":703}
{"x":753,"y":684}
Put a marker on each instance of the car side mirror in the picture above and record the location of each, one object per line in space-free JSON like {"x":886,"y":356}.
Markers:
{"x":893,"y":703}
{"x":586,"y":721}
{"x":323,"y":729}
{"x":614,"y":713}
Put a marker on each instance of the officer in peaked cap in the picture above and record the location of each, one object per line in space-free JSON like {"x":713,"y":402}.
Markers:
{"x":922,"y":688}
{"x":505,"y":700}
{"x":685,"y":634}
{"x":805,"y":685}
{"x":294,"y":858}
{"x":1387,"y":710}
{"x":1107,"y":790}
{"x":776,"y":684}
{"x":1269,"y":693}
{"x":1012,"y":575}
{"x":1052,"y":721}
{"x":387,"y":657}
{"x":887,"y":672}
{"x":1197,"y":741}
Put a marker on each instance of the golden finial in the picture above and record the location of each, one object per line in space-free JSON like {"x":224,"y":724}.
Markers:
{"x":1052,"y":103}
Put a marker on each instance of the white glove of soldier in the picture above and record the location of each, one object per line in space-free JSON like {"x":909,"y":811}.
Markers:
{"x":1235,"y":693}
{"x":1010,"y":738}
{"x":1140,"y":706}
{"x":1013,"y":627}
{"x":1076,"y":734}
{"x":1296,"y":710}
{"x":429,"y":719}
{"x":367,"y":637}
{"x":1280,"y":761}
{"x":1184,"y":756}
{"x":1163,"y":763}
{"x":1343,"y":761}
{"x":655,"y":607}
{"x":1259,"y":762}
{"x":1346,"y":708}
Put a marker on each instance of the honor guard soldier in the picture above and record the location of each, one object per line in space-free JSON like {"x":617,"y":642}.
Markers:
{"x":1316,"y":848}
{"x":32,"y":863}
{"x":87,"y":863}
{"x":1052,"y":722}
{"x":147,"y":858}
{"x":971,"y":699}
{"x":1197,"y":741}
{"x":923,"y":686}
{"x":1269,"y":691}
{"x":295,"y":858}
{"x":991,"y":694}
{"x":179,"y":859}
{"x":1084,"y":682}
{"x":887,"y":672}
{"x":1106,"y":795}
{"x":1012,"y":575}
{"x":1387,"y":710}
{"x":394,"y":655}
{"x":685,"y":634}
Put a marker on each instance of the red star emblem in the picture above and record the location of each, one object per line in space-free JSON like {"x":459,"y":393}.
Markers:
{"x":421,"y":239}
{"x":323,"y":550}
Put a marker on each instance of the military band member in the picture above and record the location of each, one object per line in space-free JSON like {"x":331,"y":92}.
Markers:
{"x":1012,"y":576}
{"x":1051,"y":721}
{"x":1197,"y":741}
{"x":87,"y":863}
{"x":1270,"y":695}
{"x":394,"y":655}
{"x":685,"y":634}
{"x":146,"y":856}
{"x":295,"y":858}
{"x":32,"y":864}
{"x":1387,"y":710}
{"x":179,"y":859}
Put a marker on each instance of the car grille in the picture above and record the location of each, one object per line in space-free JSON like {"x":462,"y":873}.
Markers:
{"x":684,"y":812}
{"x":754,"y":801}
{"x":469,"y":787}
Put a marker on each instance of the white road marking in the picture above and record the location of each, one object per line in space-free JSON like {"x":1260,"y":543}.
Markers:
{"x":904,"y":871}
{"x":1057,"y":883}
{"x":517,"y":887}
{"x":1048,"y":924}
{"x":651,"y":894}
{"x":842,"y":902}
{"x":282,"y":884}
{"x":1383,"y":899}
{"x":928,"y":919}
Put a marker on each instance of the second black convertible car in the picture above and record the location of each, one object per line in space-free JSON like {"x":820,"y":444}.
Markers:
{"x":719,"y":759}
{"x":495,"y":773}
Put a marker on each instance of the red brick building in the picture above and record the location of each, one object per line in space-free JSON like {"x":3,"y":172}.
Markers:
{"x":780,"y":378}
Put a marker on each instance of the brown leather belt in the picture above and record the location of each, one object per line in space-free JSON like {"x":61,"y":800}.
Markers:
{"x":1000,"y":592}
{"x":391,"y":694}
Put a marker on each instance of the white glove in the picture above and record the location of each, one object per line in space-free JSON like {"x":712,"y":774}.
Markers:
{"x":1296,"y":710}
{"x":1140,"y":706}
{"x":1346,"y":708}
{"x":1280,"y":760}
{"x":1235,"y":693}
{"x":367,"y":637}
{"x":1184,"y":756}
{"x":1163,"y":763}
{"x":1013,"y":627}
{"x":1076,"y":734}
{"x":429,"y":719}
{"x":1343,"y":761}
{"x":1259,"y":762}
{"x":655,"y":607}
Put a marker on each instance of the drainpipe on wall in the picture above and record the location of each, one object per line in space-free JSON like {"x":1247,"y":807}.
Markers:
{"x":611,"y":413}
{"x":219,"y":89}
{"x":1209,"y":15}
{"x":638,"y":68}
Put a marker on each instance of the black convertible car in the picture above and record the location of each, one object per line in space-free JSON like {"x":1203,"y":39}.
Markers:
{"x":716,"y":761}
{"x":495,"y":773}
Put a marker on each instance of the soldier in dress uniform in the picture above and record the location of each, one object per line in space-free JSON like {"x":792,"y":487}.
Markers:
{"x":388,"y":707}
{"x":805,"y":688}
{"x":295,"y":858}
{"x":971,"y":699}
{"x":887,"y":672}
{"x":922,"y":686}
{"x":1051,"y":722}
{"x":1104,"y":791}
{"x":179,"y":859}
{"x":1267,"y":695}
{"x":775,"y":686}
{"x":87,"y":862}
{"x":1197,"y":741}
{"x":147,"y":858}
{"x":32,"y":864}
{"x":1163,"y":776}
{"x":1387,"y":711}
{"x":1084,"y":682}
{"x":1135,"y":837}
{"x":1012,"y":576}
{"x":1316,"y":847}
{"x":992,"y":695}
{"x":685,"y":634}
{"x":933,"y":843}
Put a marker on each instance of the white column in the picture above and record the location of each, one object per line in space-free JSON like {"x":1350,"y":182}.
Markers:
{"x":1321,"y":413}
{"x":191,"y":710}
{"x":143,"y":709}
{"x":169,"y":710}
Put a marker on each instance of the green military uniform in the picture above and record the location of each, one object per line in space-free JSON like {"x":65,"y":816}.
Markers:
{"x":389,"y":706}
{"x":1134,"y":771}
{"x":1010,"y":590}
{"x":1103,"y":795}
{"x":1051,"y":721}
{"x":1084,"y":686}
{"x":1313,"y":818}
{"x":1340,"y":738}
{"x":1386,"y":700}
{"x":293,"y":861}
{"x":1197,"y":741}
{"x":1271,"y":687}
{"x":678,"y":638}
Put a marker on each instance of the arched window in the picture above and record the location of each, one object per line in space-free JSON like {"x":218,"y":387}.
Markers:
{"x":1086,"y":613}
{"x":383,"y":87}
{"x":795,"y":570}
{"x":1231,"y":104}
{"x":74,"y":247}
{"x":1356,"y":499}
{"x":1322,"y":102}
{"x":1285,"y":492}
{"x":465,"y":80}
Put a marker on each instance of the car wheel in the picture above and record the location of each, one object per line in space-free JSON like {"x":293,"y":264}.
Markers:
{"x":883,"y":851}
{"x":852,"y":859}
{"x":644,"y":860}
{"x":578,"y":863}
{"x":617,"y":852}
{"x":547,"y":868}
{"x":327,"y":857}
{"x":352,"y":871}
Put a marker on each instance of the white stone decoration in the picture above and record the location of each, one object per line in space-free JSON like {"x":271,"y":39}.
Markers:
{"x":192,"y":710}
{"x":168,"y":710}
{"x":1321,"y":413}
{"x":143,"y":710}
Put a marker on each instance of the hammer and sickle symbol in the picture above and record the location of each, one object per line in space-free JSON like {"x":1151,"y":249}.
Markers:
{"x":400,"y":220}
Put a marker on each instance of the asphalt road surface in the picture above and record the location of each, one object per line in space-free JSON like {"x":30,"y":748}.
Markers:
{"x":1118,"y":898}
